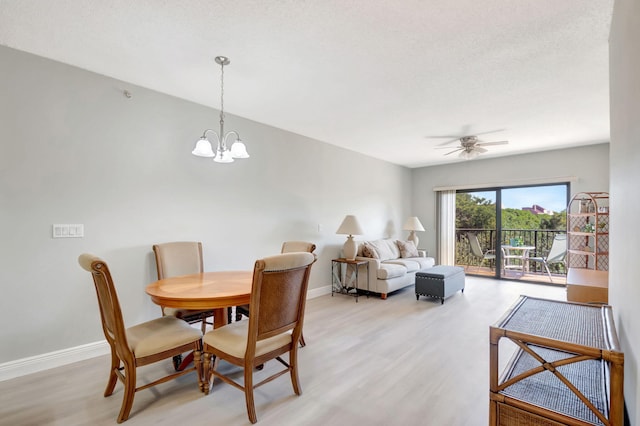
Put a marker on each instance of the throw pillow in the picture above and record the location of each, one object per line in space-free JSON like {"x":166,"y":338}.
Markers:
{"x":369,"y":251}
{"x":407,"y":249}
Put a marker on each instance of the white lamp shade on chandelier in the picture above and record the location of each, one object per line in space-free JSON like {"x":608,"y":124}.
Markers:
{"x":223,"y":153}
{"x":350,"y":227}
{"x":413,"y":224}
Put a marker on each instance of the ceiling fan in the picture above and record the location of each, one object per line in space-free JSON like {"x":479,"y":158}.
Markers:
{"x":470,"y":146}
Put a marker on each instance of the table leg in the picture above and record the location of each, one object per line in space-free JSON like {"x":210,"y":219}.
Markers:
{"x":219,"y":320}
{"x":219,"y":317}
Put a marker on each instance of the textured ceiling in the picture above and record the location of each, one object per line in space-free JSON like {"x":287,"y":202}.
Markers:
{"x":375,"y":76}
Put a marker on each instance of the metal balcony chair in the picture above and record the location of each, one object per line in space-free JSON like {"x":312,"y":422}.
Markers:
{"x":477,"y":251}
{"x":557,"y":254}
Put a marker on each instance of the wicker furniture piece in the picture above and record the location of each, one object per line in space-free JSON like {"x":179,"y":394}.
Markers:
{"x":440,"y":282}
{"x":587,"y":285}
{"x":567,"y":368}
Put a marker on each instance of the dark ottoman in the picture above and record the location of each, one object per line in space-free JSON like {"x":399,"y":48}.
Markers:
{"x":440,"y":281}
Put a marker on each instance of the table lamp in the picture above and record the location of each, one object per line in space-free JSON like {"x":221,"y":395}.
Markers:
{"x":413,"y":224}
{"x":350,"y":227}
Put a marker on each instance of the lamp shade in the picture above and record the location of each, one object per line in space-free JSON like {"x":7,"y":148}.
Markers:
{"x":203,"y":148}
{"x":350,"y":226}
{"x":413,"y":224}
{"x":239,"y":150}
{"x":223,"y":156}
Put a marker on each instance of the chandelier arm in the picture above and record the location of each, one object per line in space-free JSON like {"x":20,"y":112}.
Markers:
{"x":230,"y":132}
{"x":204,"y":134}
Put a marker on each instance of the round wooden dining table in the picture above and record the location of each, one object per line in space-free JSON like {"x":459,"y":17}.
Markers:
{"x":209,"y":290}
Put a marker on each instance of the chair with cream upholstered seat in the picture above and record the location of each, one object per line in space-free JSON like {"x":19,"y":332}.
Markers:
{"x":287,"y":247}
{"x":296,"y":246}
{"x":181,"y":258}
{"x":140,"y":345}
{"x":273,"y":328}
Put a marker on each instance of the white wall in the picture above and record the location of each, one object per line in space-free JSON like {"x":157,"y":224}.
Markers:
{"x":624,"y":291}
{"x":589,"y":164}
{"x":75,"y":150}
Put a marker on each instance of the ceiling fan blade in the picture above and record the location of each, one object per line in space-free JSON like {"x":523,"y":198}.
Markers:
{"x":449,"y":141}
{"x":492,"y":143}
{"x":455,"y":150}
{"x":463,"y":131}
{"x":490,"y":131}
{"x":479,"y":149}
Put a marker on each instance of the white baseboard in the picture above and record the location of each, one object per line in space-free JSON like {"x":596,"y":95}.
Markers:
{"x":317,"y":292}
{"x":33,"y":364}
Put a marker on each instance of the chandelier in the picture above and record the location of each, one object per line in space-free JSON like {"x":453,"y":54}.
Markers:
{"x":224,"y":153}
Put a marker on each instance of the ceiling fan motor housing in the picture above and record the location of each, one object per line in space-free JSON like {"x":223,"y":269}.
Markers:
{"x":468,"y":142}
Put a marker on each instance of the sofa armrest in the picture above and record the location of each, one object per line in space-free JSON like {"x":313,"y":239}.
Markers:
{"x":374,"y":265}
{"x":422,"y":253}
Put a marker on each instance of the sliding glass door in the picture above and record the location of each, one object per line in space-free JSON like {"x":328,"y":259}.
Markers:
{"x":476,"y":231}
{"x":498,"y":231}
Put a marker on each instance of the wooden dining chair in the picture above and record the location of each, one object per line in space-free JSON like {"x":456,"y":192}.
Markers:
{"x":295,"y":246}
{"x":140,"y":345}
{"x":287,"y":247}
{"x":181,"y":258}
{"x":273,"y":329}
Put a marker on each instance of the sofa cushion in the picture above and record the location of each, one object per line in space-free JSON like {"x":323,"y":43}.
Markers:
{"x":390,"y":270}
{"x":425,"y":262}
{"x":407,"y":248}
{"x":387,"y":249}
{"x":410,"y":265}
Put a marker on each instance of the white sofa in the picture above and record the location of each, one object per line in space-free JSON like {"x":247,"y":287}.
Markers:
{"x":390,"y":268}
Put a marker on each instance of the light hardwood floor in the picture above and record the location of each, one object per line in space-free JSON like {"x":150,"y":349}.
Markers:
{"x":376,"y":362}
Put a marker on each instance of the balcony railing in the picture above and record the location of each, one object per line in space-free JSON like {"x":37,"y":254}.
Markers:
{"x":542,"y":239}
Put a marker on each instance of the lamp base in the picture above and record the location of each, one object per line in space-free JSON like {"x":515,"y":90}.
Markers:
{"x":413,"y":237}
{"x":350,"y":249}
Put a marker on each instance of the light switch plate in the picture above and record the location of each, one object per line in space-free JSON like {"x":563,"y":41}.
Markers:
{"x":75,"y":230}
